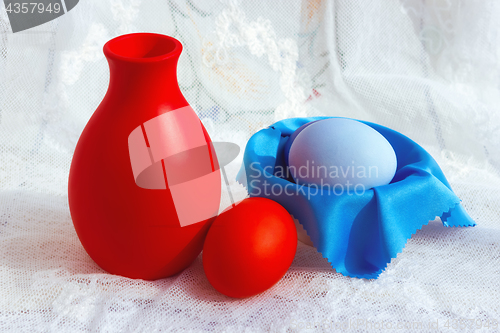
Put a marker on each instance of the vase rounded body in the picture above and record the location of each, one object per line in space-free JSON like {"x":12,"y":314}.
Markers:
{"x":144,"y":184}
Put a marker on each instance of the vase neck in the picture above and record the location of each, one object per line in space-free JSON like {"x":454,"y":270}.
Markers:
{"x":143,"y":79}
{"x":143,"y":64}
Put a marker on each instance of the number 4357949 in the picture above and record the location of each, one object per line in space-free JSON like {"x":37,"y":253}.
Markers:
{"x":33,"y":7}
{"x":471,"y":323}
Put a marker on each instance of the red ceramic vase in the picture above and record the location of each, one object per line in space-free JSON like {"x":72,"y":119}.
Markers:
{"x":144,"y":183}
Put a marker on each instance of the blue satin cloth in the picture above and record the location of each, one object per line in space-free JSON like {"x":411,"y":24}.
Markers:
{"x":359,"y":234}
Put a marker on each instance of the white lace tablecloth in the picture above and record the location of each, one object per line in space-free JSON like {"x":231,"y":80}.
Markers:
{"x":428,"y":69}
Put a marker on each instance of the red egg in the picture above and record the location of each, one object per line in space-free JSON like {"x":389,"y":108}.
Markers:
{"x":249,"y":247}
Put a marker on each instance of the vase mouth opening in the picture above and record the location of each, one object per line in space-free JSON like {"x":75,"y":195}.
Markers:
{"x":142,"y":47}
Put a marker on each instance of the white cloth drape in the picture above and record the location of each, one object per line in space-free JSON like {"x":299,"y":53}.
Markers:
{"x":429,"y":69}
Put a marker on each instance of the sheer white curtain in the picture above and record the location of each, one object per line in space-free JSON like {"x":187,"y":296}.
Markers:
{"x":427,"y":68}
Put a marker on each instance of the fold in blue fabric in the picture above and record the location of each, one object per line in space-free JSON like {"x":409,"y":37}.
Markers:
{"x":358,"y":234}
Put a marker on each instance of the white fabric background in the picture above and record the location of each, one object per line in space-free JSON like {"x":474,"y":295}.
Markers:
{"x":427,"y":68}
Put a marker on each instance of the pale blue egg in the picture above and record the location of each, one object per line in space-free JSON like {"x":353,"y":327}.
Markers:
{"x":343,"y":154}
